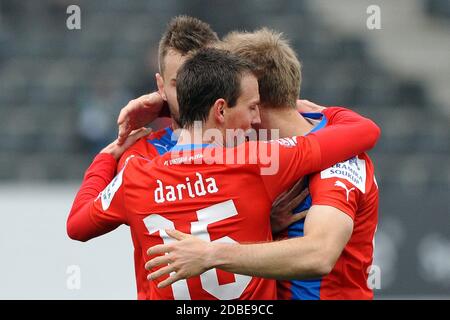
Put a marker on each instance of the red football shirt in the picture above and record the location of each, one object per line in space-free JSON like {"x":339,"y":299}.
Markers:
{"x":154,"y":144}
{"x":213,"y":201}
{"x":350,"y":186}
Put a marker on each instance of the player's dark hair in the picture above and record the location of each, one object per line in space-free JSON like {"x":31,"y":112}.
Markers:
{"x":185,"y":34}
{"x":208,"y":75}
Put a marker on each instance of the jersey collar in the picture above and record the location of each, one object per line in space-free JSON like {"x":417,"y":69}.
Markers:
{"x":316,"y":116}
{"x":184,"y":147}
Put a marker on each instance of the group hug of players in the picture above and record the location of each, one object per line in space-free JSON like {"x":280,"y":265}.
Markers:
{"x":299,"y":226}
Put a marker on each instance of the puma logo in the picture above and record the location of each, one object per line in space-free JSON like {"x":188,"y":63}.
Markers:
{"x":342,"y":185}
{"x":161,"y":146}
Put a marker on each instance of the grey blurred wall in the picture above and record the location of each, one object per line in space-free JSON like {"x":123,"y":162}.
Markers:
{"x":39,"y":261}
{"x":61,"y":90}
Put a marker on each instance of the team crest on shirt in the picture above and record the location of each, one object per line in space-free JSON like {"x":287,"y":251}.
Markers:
{"x":353,"y":170}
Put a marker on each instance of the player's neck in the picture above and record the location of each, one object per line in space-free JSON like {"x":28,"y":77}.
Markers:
{"x":289,"y":121}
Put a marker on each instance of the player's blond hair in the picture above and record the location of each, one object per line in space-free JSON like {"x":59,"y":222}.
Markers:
{"x":277,"y":66}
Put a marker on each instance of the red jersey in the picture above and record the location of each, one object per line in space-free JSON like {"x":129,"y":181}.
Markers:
{"x":349,"y":186}
{"x":210,"y":199}
{"x":154,"y":144}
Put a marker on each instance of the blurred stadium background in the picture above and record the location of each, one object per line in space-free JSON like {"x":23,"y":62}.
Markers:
{"x":61,"y":90}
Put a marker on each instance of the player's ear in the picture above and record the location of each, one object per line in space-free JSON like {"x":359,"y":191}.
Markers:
{"x":160,"y":84}
{"x":219,"y":108}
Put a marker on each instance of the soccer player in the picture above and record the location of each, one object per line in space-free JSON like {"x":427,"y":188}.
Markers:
{"x":211,"y":198}
{"x":332,"y":260}
{"x":183,"y":35}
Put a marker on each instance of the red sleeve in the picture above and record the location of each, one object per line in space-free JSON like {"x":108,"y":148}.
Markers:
{"x":85,"y":221}
{"x":285,"y":161}
{"x":335,"y":192}
{"x":346,"y":135}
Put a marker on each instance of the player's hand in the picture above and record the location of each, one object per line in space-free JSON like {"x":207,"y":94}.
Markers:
{"x":117,"y":150}
{"x":308,"y":106}
{"x":281,"y":215}
{"x":138,"y":113}
{"x":187,"y":257}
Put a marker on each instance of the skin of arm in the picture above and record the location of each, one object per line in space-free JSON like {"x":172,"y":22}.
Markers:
{"x":327,"y":231}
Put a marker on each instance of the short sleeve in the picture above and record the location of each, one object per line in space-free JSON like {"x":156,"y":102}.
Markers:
{"x":340,"y":186}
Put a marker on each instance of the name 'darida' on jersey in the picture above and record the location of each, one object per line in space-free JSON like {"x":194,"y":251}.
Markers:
{"x":198,"y":188}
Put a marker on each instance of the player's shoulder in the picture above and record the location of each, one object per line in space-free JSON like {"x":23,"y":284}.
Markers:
{"x":355,"y":172}
{"x":134,"y":164}
{"x":138,"y":147}
{"x":288,"y":142}
{"x":125,"y":178}
{"x":136,"y":161}
{"x":331,"y":111}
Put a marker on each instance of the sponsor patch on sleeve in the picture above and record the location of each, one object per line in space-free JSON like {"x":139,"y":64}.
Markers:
{"x":353,"y":170}
{"x":107,"y":195}
{"x":288,"y":142}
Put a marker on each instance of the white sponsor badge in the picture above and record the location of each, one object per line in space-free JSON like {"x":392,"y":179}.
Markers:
{"x":353,"y":170}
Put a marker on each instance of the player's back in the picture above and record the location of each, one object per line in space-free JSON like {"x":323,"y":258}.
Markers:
{"x":217,"y":202}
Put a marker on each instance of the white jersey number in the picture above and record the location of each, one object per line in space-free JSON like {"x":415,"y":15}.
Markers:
{"x":209,"y":280}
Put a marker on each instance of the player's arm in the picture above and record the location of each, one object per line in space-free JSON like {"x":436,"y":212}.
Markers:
{"x":327,"y":230}
{"x":328,"y":227}
{"x":83,"y":222}
{"x":347,"y":135}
